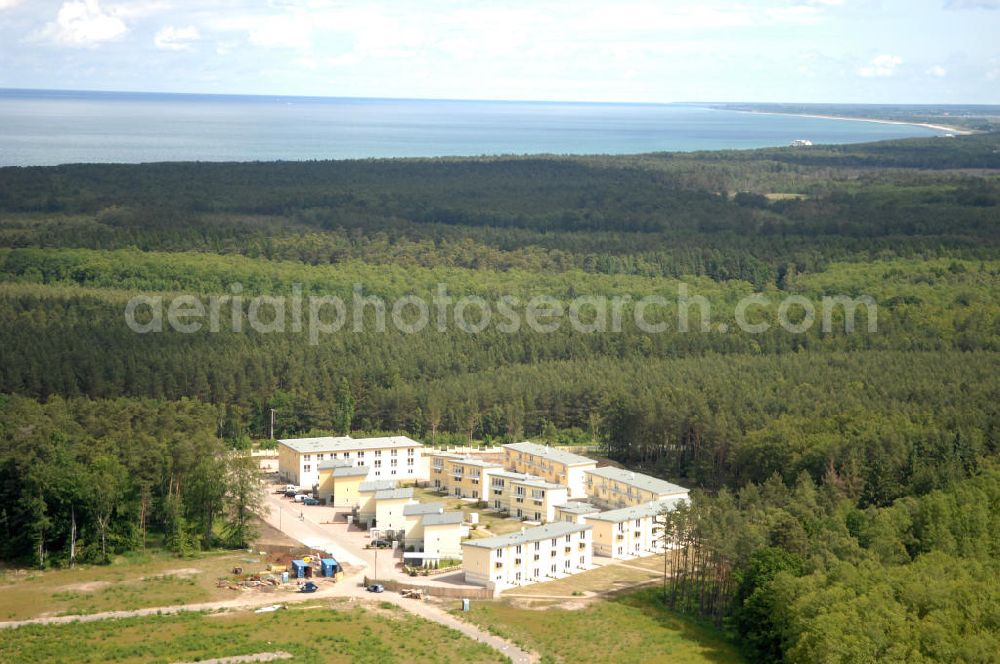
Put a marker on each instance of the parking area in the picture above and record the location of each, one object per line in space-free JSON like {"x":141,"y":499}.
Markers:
{"x":326,"y":529}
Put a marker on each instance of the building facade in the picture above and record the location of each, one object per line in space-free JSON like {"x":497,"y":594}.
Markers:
{"x":546,"y":552}
{"x":339,"y":483}
{"x":629,"y":532}
{"x":462,"y":477}
{"x":391,"y":457}
{"x":551,"y":464}
{"x":615,"y":488}
{"x":574,"y":512}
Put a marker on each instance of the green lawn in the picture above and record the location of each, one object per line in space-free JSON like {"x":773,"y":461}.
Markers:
{"x":629,"y":629}
{"x":133,"y":581}
{"x":327,"y":632}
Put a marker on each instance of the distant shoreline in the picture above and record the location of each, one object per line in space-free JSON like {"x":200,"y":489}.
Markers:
{"x":938,"y":127}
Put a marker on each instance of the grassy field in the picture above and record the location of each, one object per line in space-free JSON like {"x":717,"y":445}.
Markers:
{"x":599,"y":580}
{"x":325,"y":632}
{"x":130,"y":582}
{"x":629,"y":629}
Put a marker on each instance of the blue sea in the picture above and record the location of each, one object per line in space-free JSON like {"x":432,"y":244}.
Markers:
{"x":56,"y":127}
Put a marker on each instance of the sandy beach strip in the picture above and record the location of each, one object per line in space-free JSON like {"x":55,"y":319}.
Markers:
{"x":937,"y":127}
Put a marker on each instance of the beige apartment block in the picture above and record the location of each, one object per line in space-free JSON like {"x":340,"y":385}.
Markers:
{"x":551,"y":464}
{"x":462,"y":477}
{"x":629,"y":532}
{"x":390,"y":458}
{"x":340,"y":482}
{"x":389,"y":506}
{"x":366,"y":512}
{"x":614,"y":488}
{"x":551,"y":551}
{"x":575,"y":512}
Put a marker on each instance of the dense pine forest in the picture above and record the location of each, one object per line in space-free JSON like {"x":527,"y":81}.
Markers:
{"x":847,"y":483}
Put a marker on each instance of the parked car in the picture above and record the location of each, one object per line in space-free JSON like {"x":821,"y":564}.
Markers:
{"x":291,"y":487}
{"x":308,"y":587}
{"x":290,"y":494}
{"x":300,"y":497}
{"x":380,"y":544}
{"x":376,"y":588}
{"x":310,"y":501}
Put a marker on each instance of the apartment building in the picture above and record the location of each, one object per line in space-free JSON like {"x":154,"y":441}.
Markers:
{"x":413,"y":515}
{"x":614,"y":488}
{"x":534,"y":499}
{"x":463,"y":477}
{"x":443,"y":535}
{"x":365,"y":512}
{"x":340,"y":481}
{"x":628,"y":532}
{"x":389,"y":506}
{"x":390,"y":457}
{"x":535,"y":554}
{"x":574,"y":512}
{"x":551,"y":464}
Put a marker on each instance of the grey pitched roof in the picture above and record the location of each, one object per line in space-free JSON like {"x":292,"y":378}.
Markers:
{"x":511,"y":475}
{"x":377,"y":485}
{"x":351,"y":471}
{"x":343,"y":468}
{"x":394,"y":494}
{"x":549,"y":530}
{"x":539,"y":484}
{"x":332,"y":463}
{"x":443,"y":519}
{"x":638,"y":480}
{"x":423,"y":508}
{"x":550,"y":453}
{"x":578,"y":508}
{"x":346,"y":443}
{"x":636,"y":511}
{"x":472,"y":461}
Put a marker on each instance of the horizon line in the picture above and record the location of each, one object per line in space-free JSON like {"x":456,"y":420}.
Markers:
{"x":479,"y":100}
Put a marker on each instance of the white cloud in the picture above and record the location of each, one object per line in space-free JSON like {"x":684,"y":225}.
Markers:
{"x":282,"y":32}
{"x":83,"y":23}
{"x":7,"y":4}
{"x":937,"y":70}
{"x":972,"y":4}
{"x":882,"y":66}
{"x":170,"y":38}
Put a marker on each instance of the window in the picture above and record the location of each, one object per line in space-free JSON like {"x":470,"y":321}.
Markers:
{"x":378,"y":453}
{"x":306,"y":468}
{"x":409,"y":462}
{"x":538,"y":545}
{"x":319,"y":457}
{"x":307,"y":457}
{"x":566,"y":563}
{"x":392,"y":463}
{"x":582,"y":560}
{"x":638,"y":523}
{"x":538,"y":516}
{"x":568,"y":537}
{"x":393,"y":471}
{"x":361,"y":455}
{"x":409,"y":451}
{"x":555,"y":541}
{"x":536,"y":558}
{"x":499,"y":565}
{"x":378,"y":463}
{"x":499,"y":553}
{"x":517,"y":576}
{"x":378,"y":473}
{"x":554,"y":568}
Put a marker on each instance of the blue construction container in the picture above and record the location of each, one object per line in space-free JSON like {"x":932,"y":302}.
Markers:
{"x":329,"y":566}
{"x":299,"y":569}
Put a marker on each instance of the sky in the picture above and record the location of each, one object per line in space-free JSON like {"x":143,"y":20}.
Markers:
{"x":847,"y":51}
